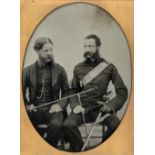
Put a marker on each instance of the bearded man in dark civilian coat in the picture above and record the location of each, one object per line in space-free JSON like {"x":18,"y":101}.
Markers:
{"x":45,"y":81}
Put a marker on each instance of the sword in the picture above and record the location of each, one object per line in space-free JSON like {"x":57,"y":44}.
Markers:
{"x":92,"y":129}
{"x":95,"y":123}
{"x":64,"y":98}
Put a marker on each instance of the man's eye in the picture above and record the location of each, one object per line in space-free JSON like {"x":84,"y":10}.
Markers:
{"x":45,"y":51}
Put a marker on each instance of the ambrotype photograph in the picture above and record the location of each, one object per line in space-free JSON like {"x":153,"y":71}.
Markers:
{"x":76,"y":77}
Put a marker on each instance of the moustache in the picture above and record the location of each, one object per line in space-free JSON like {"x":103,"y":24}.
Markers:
{"x":88,"y":54}
{"x":50,"y":59}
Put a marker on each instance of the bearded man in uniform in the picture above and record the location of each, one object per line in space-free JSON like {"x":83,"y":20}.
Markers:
{"x":93,"y":72}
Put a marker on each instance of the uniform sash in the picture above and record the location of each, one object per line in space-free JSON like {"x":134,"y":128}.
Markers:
{"x":93,"y":73}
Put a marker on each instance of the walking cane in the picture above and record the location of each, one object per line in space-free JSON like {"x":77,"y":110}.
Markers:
{"x":92,"y":129}
{"x":84,"y":121}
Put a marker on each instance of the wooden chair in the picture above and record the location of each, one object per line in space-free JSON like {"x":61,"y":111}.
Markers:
{"x":96,"y":137}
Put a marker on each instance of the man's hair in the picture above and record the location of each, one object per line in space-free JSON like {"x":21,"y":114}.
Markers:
{"x":95,"y":37}
{"x":40,"y":42}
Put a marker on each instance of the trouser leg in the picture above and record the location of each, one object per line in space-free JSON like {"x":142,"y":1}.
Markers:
{"x":111,"y":122}
{"x":71,"y":131}
{"x":37,"y":118}
{"x":54,"y":131}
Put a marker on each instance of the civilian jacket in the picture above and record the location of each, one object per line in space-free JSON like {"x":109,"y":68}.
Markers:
{"x":59,"y":82}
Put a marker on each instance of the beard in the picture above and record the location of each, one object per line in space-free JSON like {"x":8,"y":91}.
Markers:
{"x":90,"y":57}
{"x":48,"y":59}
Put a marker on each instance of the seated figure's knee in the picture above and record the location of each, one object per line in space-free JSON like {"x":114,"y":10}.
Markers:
{"x":55,"y":124}
{"x":69,"y":124}
{"x":112,"y":122}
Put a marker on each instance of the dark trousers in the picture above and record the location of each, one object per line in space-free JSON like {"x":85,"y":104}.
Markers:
{"x":73,"y":121}
{"x":54,"y":122}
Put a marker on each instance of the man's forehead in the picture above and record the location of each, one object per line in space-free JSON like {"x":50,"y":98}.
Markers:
{"x":89,"y":41}
{"x":47,"y":46}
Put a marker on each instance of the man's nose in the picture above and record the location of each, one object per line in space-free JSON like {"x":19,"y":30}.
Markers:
{"x":49,"y":52}
{"x":87,"y":48}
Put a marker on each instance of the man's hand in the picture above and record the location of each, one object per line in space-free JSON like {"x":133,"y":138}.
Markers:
{"x":106,"y":109}
{"x":55,"y":108}
{"x":78,"y":109}
{"x":31,"y":108}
